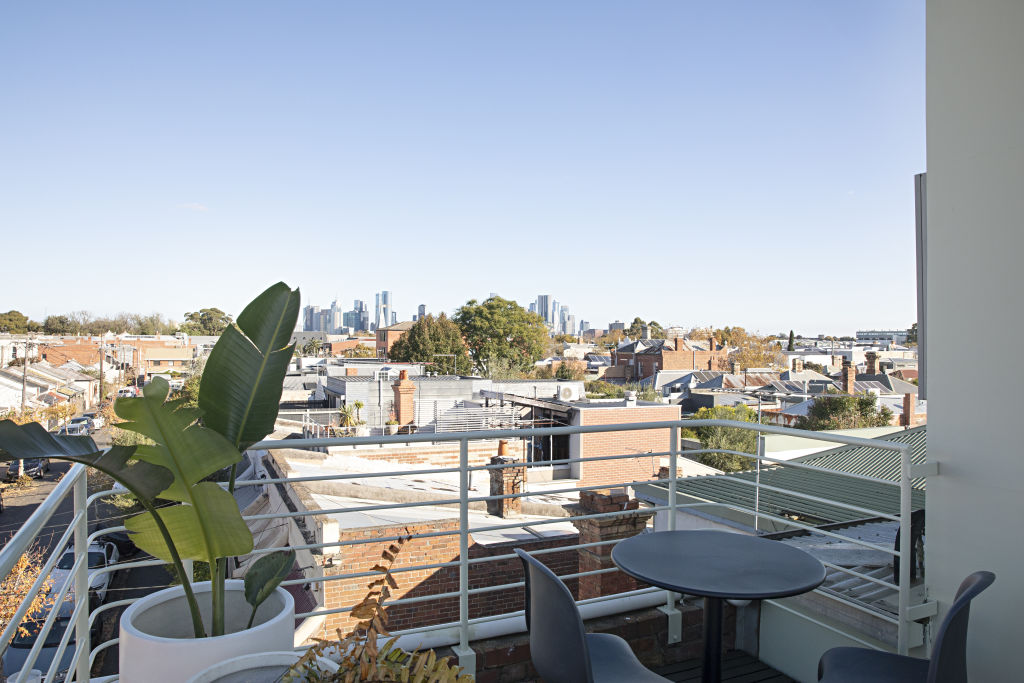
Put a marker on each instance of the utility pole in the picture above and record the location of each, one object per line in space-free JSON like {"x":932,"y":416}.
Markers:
{"x":102,"y":354}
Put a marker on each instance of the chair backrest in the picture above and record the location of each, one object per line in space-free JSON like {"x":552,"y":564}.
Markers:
{"x":949,"y":656}
{"x":558,"y":646}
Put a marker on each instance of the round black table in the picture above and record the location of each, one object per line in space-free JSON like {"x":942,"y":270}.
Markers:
{"x":718,"y":565}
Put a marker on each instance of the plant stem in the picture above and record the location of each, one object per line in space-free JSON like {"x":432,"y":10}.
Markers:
{"x":186,"y":581}
{"x":218,"y":568}
{"x":252,"y":618}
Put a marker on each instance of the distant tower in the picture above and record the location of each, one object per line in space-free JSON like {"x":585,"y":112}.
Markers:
{"x":421,"y":312}
{"x":544,"y":306}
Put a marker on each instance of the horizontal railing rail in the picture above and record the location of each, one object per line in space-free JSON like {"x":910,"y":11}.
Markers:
{"x":459,"y":633}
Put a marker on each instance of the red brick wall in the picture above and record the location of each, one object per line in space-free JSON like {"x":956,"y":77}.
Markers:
{"x":435,"y":550}
{"x":612,"y":472}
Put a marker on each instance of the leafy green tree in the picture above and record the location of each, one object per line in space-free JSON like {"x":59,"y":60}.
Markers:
{"x":205,"y":322}
{"x":571,"y":369}
{"x":912,"y":334}
{"x":58,"y":324}
{"x":312,"y":347}
{"x":429,"y":338}
{"x":727,"y":438}
{"x":840,"y":411}
{"x":15,"y":322}
{"x":635,"y":329}
{"x":792,"y":342}
{"x":817,"y":367}
{"x":501,"y":329}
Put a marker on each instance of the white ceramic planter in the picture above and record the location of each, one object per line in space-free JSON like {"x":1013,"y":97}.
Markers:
{"x":264,"y":667}
{"x":157,"y":644}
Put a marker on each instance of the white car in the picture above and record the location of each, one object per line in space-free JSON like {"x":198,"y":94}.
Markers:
{"x":97,"y":421}
{"x":126,"y":392}
{"x":82,"y":423}
{"x":100,"y":555}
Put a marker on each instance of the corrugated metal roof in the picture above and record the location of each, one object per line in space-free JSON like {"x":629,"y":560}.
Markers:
{"x":875,"y":462}
{"x":823,"y":484}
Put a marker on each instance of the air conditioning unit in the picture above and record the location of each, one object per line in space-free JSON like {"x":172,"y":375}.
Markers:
{"x":567,"y":392}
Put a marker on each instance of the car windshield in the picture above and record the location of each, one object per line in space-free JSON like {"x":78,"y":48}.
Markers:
{"x":32,"y":628}
{"x":96,"y":560}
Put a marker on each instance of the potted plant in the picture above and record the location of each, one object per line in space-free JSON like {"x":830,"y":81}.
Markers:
{"x":392,"y":424}
{"x":174,"y":633}
{"x":369,"y":653}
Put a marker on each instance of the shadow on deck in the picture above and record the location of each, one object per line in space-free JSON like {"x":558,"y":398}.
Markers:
{"x":737,"y":667}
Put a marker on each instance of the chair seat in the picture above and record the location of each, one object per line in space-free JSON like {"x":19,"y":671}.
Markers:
{"x":612,"y":661}
{"x":860,"y":665}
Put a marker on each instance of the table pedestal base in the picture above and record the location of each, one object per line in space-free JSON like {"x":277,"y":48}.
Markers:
{"x":712,"y":672}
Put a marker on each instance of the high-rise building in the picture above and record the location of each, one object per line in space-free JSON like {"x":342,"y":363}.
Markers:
{"x":311,"y":319}
{"x":544,"y":306}
{"x":421,"y":312}
{"x":533,"y":307}
{"x":555,"y":316}
{"x":383,"y":315}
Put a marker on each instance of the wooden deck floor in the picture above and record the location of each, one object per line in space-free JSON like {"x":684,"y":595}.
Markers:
{"x":737,"y":667}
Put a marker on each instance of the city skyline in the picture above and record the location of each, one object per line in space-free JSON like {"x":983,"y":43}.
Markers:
{"x":641,"y":180}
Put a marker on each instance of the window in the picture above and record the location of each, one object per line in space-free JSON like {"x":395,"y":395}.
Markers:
{"x":156,"y":363}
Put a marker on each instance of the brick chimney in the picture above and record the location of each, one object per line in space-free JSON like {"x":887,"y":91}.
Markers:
{"x":736,"y":369}
{"x":849,"y":377}
{"x":712,"y":343}
{"x":909,"y":406}
{"x":405,"y":403}
{"x":351,"y":372}
{"x":606,"y":529}
{"x":798,"y":365}
{"x":837,"y":359}
{"x":872,"y":358}
{"x":505,"y":481}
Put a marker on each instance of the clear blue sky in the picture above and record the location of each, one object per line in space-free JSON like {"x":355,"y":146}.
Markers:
{"x":741,"y":163}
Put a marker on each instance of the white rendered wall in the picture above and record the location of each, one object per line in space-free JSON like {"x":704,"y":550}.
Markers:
{"x":975,"y":202}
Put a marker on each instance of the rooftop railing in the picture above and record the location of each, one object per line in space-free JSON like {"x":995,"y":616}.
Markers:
{"x":459,"y":634}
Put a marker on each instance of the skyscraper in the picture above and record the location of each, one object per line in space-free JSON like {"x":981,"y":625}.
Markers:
{"x":544,"y":306}
{"x":421,"y":311}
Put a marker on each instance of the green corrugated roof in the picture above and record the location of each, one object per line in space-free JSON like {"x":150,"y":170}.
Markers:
{"x":874,"y":496}
{"x":874,"y":462}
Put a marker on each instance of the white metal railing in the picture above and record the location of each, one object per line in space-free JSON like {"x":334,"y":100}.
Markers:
{"x":459,"y":633}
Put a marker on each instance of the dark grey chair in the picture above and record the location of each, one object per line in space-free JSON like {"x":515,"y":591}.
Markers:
{"x":949,"y":656}
{"x":561,"y":651}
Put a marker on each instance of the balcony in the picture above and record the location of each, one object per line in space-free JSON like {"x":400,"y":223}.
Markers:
{"x":460,"y":584}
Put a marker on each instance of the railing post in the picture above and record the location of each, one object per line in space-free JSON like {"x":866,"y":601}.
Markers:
{"x":467,"y":657}
{"x":906,"y":551}
{"x":757,"y":485}
{"x":675,"y":617}
{"x":82,"y":644}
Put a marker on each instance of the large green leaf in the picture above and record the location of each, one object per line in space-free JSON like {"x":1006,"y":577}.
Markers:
{"x":266,"y":574}
{"x":208,"y":528}
{"x":190,"y":451}
{"x":18,"y":442}
{"x":208,"y":524}
{"x":242,"y":381}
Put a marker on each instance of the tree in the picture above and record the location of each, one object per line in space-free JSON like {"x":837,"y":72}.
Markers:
{"x":792,"y":342}
{"x":16,"y":586}
{"x":635,"y":329}
{"x":727,"y":438}
{"x":312,"y":347}
{"x":571,"y":369}
{"x":433,"y":340}
{"x":58,"y":324}
{"x":501,"y":329}
{"x":912,"y":334}
{"x":15,"y":322}
{"x":840,"y":411}
{"x":208,"y":322}
{"x":817,"y":367}
{"x":190,"y":389}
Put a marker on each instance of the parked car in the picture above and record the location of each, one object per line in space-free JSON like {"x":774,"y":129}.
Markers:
{"x":35,"y":468}
{"x":79,"y":429}
{"x":101,"y":554}
{"x":126,"y":392}
{"x":96,"y":420}
{"x":16,"y":654}
{"x":123,"y":540}
{"x":82,"y":422}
